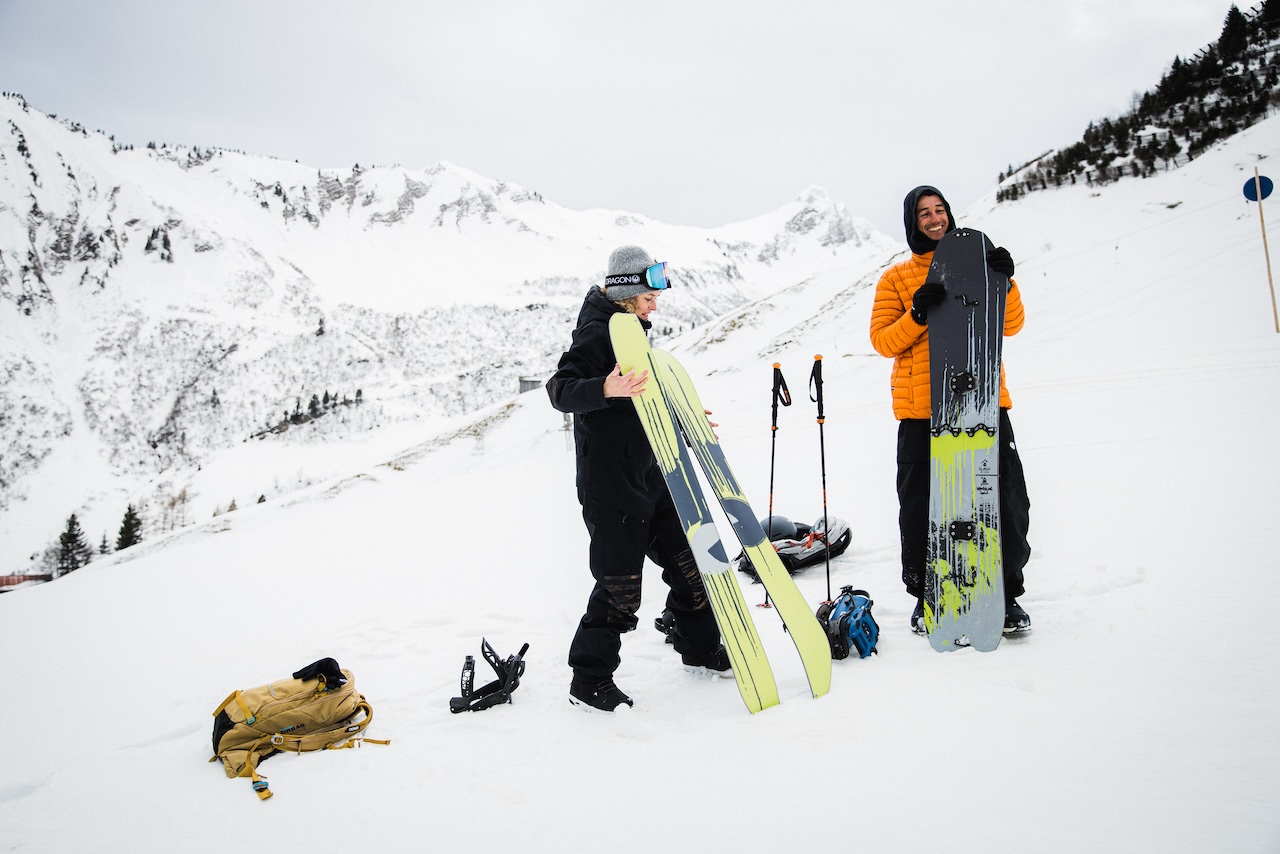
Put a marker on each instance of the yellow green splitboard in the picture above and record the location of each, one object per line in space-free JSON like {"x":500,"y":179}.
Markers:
{"x":751,"y":667}
{"x":806,"y":632}
{"x":964,"y":581}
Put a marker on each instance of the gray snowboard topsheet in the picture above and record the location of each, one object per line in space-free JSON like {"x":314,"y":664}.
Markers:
{"x":964,"y":582}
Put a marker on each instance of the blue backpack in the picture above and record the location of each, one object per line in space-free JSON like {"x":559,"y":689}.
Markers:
{"x":849,"y":624}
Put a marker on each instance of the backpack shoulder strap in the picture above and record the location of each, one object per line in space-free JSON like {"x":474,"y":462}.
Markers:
{"x":238,"y":698}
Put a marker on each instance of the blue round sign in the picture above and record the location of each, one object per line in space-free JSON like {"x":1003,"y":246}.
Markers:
{"x":1251,"y":188}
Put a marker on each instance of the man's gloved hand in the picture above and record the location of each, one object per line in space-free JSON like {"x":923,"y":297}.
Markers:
{"x":1001,"y":261}
{"x":928,"y":294}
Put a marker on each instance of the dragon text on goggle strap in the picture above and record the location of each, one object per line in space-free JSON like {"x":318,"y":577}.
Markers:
{"x":654,"y":277}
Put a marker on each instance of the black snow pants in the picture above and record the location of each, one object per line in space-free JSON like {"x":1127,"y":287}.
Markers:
{"x":913,"y":506}
{"x":619,"y":545}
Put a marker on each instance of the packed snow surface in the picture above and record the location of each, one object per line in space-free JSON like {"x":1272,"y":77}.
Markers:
{"x":1135,"y":717}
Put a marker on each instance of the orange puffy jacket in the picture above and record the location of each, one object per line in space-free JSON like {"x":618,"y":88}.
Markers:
{"x":896,"y":335}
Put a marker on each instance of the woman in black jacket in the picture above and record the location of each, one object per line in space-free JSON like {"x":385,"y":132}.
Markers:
{"x":625,"y":504}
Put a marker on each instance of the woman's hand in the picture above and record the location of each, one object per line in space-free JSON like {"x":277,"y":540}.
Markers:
{"x":630,"y":384}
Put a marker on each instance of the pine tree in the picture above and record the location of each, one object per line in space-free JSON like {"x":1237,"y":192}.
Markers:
{"x":1210,"y":66}
{"x":104,"y":547}
{"x":73,"y":551}
{"x":130,"y":530}
{"x":1235,"y":34}
{"x":1270,"y":15}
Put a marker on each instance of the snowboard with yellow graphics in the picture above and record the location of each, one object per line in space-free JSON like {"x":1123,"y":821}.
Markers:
{"x":806,"y":632}
{"x":742,"y":642}
{"x":964,"y":581}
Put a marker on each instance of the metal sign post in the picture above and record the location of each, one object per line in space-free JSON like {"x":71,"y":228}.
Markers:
{"x":1255,"y":191}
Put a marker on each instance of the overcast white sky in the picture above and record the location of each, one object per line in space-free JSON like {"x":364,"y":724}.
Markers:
{"x":697,"y":113}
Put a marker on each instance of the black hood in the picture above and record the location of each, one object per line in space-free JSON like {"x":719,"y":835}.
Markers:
{"x":920,"y":244}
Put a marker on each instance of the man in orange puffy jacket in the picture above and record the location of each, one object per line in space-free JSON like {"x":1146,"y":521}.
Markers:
{"x":900,"y":330}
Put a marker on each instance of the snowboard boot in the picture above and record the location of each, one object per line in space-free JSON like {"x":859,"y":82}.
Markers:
{"x":593,"y":695}
{"x":1016,"y":620}
{"x":917,"y":618}
{"x":714,"y":663}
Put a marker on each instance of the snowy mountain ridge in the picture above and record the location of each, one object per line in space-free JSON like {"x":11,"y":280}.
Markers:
{"x":163,"y":305}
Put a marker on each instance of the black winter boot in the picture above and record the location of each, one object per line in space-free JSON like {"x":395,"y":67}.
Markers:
{"x":715,"y":663}
{"x":596,"y":695}
{"x":917,"y":618}
{"x":1016,"y":620}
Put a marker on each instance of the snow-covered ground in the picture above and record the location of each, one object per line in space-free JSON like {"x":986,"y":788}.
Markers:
{"x":1134,"y":717}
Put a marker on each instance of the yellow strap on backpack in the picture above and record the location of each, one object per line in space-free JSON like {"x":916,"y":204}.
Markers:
{"x":325,"y":740}
{"x":238,"y":697}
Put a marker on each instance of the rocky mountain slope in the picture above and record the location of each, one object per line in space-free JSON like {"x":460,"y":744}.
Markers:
{"x":162,"y":304}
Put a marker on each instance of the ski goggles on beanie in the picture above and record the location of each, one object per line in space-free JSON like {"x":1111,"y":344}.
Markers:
{"x":654,"y":277}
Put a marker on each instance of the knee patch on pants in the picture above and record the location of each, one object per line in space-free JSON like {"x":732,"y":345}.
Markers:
{"x":622,"y":601}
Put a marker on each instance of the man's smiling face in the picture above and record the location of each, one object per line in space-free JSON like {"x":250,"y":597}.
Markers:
{"x":931,"y":217}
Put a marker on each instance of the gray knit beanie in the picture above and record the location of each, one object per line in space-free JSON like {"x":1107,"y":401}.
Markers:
{"x":629,"y":262}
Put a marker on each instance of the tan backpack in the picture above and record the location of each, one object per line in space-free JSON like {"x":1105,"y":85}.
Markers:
{"x":316,"y":709}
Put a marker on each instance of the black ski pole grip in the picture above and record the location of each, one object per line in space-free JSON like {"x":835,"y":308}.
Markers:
{"x":780,"y":392}
{"x":815,"y":386}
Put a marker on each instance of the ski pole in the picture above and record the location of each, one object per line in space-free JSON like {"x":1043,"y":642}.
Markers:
{"x":781,"y":394}
{"x":815,"y":394}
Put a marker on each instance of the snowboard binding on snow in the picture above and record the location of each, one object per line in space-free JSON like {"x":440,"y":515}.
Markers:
{"x":496,"y":692}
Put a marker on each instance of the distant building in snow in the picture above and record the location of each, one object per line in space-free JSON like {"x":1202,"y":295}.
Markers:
{"x":530,"y":383}
{"x":13,"y":582}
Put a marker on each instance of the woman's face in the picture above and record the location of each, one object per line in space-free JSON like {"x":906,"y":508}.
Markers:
{"x":645,"y":304}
